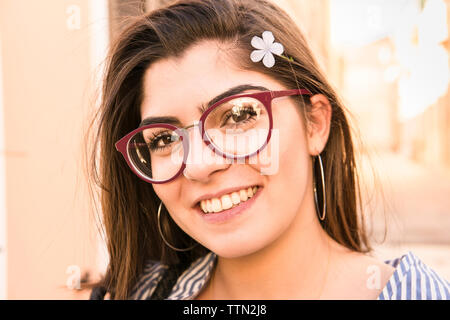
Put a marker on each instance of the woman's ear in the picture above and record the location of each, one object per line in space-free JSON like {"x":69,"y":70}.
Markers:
{"x":318,"y":126}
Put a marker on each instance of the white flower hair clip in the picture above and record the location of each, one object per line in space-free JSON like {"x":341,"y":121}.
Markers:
{"x":266,"y":48}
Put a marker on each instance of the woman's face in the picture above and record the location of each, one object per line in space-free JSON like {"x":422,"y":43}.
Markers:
{"x":177,"y":88}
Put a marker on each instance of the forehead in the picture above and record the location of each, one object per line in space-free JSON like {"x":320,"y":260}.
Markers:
{"x":177,"y":87}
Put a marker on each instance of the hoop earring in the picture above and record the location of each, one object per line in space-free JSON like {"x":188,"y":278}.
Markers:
{"x":324,"y":198}
{"x":164,"y":239}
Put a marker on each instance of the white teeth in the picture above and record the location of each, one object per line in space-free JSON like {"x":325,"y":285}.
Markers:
{"x":235,"y":198}
{"x":209,"y":206}
{"x":243,"y":195}
{"x":227,"y":201}
{"x":203,"y":206}
{"x":216,"y":205}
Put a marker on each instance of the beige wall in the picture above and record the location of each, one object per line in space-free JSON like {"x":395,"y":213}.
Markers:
{"x":432,"y":148}
{"x":3,"y":278}
{"x":313,"y":19}
{"x":46,"y":87}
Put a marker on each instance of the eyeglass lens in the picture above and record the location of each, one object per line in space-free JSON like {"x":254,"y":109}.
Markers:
{"x":236,"y":128}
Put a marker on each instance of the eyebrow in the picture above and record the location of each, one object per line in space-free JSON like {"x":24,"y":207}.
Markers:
{"x":230,"y":92}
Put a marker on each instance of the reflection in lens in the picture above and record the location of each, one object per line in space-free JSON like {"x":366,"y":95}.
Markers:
{"x":239,"y":126}
{"x":156,"y":152}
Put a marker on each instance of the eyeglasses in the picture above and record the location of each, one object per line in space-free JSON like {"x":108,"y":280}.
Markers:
{"x":236,"y":127}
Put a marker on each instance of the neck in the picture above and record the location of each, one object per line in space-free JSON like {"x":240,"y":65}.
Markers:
{"x":294,"y":266}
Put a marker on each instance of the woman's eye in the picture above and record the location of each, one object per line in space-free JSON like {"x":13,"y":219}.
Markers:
{"x":165,"y":140}
{"x":160,"y":141}
{"x":238,"y":115}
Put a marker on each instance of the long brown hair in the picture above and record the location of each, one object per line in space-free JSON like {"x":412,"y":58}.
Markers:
{"x":128,"y":204}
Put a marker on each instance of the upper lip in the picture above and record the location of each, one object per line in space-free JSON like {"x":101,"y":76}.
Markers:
{"x":222,"y":192}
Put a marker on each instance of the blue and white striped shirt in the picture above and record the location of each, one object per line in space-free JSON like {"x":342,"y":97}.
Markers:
{"x":411,"y":280}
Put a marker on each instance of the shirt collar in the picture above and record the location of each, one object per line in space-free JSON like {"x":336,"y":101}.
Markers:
{"x":192,"y":281}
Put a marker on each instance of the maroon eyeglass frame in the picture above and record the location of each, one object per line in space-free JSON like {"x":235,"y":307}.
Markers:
{"x":265,"y":97}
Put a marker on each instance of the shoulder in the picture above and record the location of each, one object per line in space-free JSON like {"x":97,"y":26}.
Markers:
{"x":187,"y":284}
{"x":193,"y":279}
{"x":148,"y":280}
{"x":414,"y":280}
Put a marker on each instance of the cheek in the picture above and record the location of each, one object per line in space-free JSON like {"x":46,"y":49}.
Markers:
{"x":287,"y":152}
{"x":169,"y":194}
{"x":293,"y":152}
{"x":288,"y":185}
{"x":293,"y":179}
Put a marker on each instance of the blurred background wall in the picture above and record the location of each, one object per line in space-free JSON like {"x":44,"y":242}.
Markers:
{"x":388,"y":61}
{"x":48,"y":52}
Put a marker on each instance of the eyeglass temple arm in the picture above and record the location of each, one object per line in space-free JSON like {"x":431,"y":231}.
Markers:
{"x":293,"y":92}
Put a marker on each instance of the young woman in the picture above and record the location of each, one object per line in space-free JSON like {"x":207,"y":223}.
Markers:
{"x":227,"y":167}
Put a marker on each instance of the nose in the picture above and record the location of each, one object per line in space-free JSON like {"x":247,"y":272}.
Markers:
{"x":202,"y":161}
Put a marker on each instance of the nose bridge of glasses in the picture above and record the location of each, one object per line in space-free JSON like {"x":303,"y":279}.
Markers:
{"x":188,"y":135}
{"x":186,"y":129}
{"x":199,"y":152}
{"x":194,"y":124}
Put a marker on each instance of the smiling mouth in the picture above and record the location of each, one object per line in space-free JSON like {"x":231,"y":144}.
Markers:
{"x":227,"y":201}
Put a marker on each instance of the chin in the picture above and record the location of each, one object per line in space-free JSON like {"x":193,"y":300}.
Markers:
{"x":235,"y":249}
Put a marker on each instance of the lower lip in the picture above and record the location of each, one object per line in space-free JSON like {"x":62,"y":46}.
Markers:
{"x":226,"y":215}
